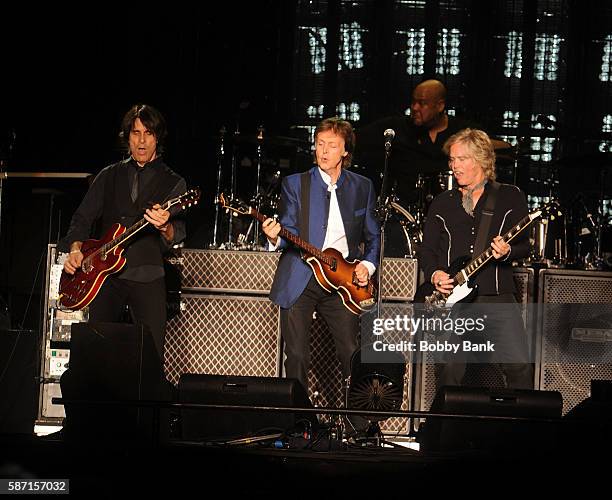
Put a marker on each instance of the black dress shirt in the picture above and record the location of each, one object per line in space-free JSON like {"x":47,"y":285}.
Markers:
{"x":450,"y":233}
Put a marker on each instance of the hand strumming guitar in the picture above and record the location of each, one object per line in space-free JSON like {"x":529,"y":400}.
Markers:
{"x":75,"y":257}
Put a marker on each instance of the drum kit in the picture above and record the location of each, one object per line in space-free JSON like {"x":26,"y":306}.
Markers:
{"x":578,"y":239}
{"x":249,"y":168}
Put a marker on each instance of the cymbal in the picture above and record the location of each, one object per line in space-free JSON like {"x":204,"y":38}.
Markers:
{"x":513,"y":152}
{"x":499,"y":144}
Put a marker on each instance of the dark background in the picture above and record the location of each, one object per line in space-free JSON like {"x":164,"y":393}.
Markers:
{"x":68,"y":76}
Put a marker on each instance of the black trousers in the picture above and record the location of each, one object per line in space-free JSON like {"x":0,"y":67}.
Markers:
{"x":295,"y":330}
{"x":147,"y":303}
{"x":504,"y":326}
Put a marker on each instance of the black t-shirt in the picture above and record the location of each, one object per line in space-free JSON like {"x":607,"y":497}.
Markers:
{"x":412,"y":153}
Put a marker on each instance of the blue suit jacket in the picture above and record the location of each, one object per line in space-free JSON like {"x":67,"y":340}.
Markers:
{"x":356,"y":200}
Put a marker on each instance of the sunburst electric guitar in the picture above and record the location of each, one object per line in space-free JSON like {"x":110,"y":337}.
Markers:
{"x":332,"y":271}
{"x":105,"y":256}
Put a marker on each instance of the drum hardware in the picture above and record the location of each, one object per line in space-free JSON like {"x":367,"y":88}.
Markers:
{"x":220,"y":161}
{"x":410,"y":228}
{"x":446,"y":180}
{"x":377,"y":386}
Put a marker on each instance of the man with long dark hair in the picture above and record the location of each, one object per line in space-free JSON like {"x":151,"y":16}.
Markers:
{"x":123,"y":193}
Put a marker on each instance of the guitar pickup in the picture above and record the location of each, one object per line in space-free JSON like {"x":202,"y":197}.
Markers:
{"x":367,"y":303}
{"x":334,"y":265}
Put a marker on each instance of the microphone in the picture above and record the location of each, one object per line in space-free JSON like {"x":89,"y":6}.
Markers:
{"x":389,"y":135}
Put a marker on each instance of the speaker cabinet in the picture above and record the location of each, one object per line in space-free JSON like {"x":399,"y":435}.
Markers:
{"x":575,"y":323}
{"x":111,"y":362}
{"x":18,"y":387}
{"x":478,"y":375}
{"x":223,"y":335}
{"x":212,"y":425}
{"x":445,"y":434}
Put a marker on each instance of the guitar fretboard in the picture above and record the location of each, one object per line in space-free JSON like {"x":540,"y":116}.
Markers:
{"x":296,"y":240}
{"x":476,"y":264}
{"x":128,"y":233}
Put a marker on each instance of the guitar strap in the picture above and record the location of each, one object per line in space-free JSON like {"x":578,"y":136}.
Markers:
{"x":486,"y":218}
{"x":305,"y":202}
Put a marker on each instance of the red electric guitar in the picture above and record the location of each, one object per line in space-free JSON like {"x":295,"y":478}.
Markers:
{"x":105,"y":256}
{"x":333,"y":272}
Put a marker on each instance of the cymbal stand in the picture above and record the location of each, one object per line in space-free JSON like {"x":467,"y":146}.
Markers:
{"x":233,"y":190}
{"x":1,"y":181}
{"x":601,"y":217}
{"x":260,"y":137}
{"x":519,"y":144}
{"x":220,"y":162}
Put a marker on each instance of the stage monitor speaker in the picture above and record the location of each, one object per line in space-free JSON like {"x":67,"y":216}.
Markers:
{"x":18,"y":387}
{"x":112,"y":362}
{"x":589,"y":431}
{"x":212,"y":425}
{"x":457,"y":434}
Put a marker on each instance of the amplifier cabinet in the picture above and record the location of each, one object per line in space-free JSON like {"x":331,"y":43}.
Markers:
{"x":575,"y":332}
{"x":223,"y":335}
{"x":247,"y":272}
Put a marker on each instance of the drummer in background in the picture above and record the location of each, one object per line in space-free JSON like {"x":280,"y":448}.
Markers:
{"x":417,"y":146}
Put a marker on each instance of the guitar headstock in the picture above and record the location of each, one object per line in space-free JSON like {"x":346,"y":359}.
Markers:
{"x":235,"y":205}
{"x":550,"y":210}
{"x":185,"y":200}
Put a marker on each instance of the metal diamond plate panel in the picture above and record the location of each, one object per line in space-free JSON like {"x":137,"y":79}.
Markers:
{"x":571,"y":289}
{"x":476,"y":375}
{"x":223,"y":335}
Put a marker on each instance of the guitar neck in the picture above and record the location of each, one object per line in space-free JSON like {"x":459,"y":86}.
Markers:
{"x":479,"y":262}
{"x":122,"y":238}
{"x":131,"y":231}
{"x":296,"y":240}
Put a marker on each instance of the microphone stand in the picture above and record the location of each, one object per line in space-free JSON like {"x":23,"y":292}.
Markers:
{"x":382,"y":212}
{"x":220,"y":162}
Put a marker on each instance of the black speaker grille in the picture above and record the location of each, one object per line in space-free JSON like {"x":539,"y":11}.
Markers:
{"x":568,"y":365}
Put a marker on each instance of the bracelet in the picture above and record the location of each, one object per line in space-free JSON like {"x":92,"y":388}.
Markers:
{"x":75,"y":251}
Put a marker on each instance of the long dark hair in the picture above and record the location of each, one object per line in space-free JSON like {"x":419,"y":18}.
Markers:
{"x":150,"y":117}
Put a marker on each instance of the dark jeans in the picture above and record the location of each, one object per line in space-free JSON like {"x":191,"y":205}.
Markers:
{"x":504,"y":327}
